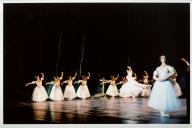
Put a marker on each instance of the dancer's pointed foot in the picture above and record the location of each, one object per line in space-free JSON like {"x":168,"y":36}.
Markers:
{"x":164,"y":115}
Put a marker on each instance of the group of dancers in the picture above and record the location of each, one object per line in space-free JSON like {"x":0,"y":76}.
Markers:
{"x":55,"y":92}
{"x":162,"y":96}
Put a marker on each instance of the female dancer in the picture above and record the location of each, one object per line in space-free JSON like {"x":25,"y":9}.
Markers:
{"x":185,"y":84}
{"x":56,"y":91}
{"x":69,"y":92}
{"x":162,"y":96}
{"x":176,"y":86}
{"x":147,"y":89}
{"x":83,"y":91}
{"x":132,"y":87}
{"x":39,"y":92}
{"x":112,"y":89}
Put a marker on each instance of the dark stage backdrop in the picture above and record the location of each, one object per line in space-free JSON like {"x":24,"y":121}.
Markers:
{"x":115,"y":35}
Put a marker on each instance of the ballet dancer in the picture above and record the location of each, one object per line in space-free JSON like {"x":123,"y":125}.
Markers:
{"x":83,"y":91}
{"x":112,"y":89}
{"x":39,"y":93}
{"x":147,"y":89}
{"x":69,"y":92}
{"x":56,"y":91}
{"x":162,"y":97}
{"x":132,"y":87}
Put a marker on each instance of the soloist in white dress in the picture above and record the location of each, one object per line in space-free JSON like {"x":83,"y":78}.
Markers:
{"x":163,"y":97}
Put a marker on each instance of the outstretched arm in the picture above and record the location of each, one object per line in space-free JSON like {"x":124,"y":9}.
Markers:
{"x":107,"y":81}
{"x":121,"y":82}
{"x":64,"y":82}
{"x":51,"y":82}
{"x":79,"y":81}
{"x":33,"y":82}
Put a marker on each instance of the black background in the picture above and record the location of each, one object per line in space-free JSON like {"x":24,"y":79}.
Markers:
{"x":116,"y":35}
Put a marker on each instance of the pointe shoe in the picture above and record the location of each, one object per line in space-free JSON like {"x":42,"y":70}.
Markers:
{"x":164,"y":115}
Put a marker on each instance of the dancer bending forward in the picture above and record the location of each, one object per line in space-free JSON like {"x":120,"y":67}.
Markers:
{"x":132,"y":88}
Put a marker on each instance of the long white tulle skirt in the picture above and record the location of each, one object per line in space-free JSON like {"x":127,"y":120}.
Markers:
{"x":163,"y":97}
{"x":112,"y":90}
{"x":123,"y":91}
{"x":131,"y":88}
{"x":39,"y":94}
{"x":56,"y":93}
{"x":69,"y":92}
{"x":83,"y":92}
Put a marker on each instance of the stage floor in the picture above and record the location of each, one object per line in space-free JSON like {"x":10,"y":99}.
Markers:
{"x":90,"y":111}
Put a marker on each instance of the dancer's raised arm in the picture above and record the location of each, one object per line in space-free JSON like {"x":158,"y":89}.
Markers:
{"x":88,"y":77}
{"x":42,"y":76}
{"x":184,"y":60}
{"x":117,"y":77}
{"x":61,"y":77}
{"x":74,"y":76}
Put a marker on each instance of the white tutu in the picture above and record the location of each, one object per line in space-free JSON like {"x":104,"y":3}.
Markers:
{"x":83,"y":91}
{"x":112,"y":90}
{"x":177,"y":89}
{"x":131,"y":88}
{"x":123,"y":91}
{"x":56,"y":93}
{"x":163,"y":97}
{"x":69,"y":92}
{"x":39,"y":94}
